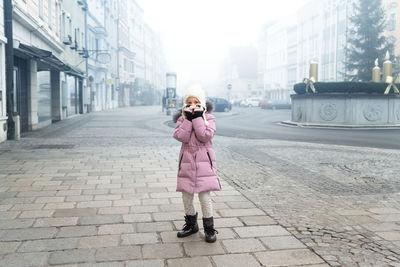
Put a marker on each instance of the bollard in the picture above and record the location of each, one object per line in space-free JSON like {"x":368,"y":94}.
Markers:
{"x":17,"y":123}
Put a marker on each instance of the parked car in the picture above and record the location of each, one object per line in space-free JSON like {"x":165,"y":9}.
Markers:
{"x":235,"y":102}
{"x":251,"y":102}
{"x":275,"y":104}
{"x":220,"y":104}
{"x":264,"y":103}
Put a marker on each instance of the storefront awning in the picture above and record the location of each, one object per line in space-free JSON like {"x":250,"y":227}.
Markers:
{"x":48,"y":58}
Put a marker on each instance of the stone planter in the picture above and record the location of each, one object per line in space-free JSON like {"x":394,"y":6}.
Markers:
{"x":346,"y":110}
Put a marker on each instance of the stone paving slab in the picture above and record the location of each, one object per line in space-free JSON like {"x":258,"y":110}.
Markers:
{"x":110,"y":200}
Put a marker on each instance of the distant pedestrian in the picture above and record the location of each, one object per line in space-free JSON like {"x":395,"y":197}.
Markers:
{"x":197,"y":173}
{"x":164,"y":103}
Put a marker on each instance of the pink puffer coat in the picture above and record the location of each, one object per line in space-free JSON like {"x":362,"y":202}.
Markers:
{"x":197,"y":169}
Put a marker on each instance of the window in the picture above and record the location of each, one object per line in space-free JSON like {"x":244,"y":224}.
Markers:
{"x":77,"y":38}
{"x":96,"y":45}
{"x":40,"y":6}
{"x":132,"y":67}
{"x":392,"y":40}
{"x":392,"y":22}
{"x":83,"y":41}
{"x":58,"y":19}
{"x":63,"y":30}
{"x":49,"y":13}
{"x":125,"y":64}
{"x":69,"y":26}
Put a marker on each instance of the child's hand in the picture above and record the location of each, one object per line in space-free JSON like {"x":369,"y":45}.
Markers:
{"x":188,"y":113}
{"x":198,"y":111}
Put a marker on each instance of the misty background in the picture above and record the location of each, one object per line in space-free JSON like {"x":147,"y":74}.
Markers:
{"x":197,"y":35}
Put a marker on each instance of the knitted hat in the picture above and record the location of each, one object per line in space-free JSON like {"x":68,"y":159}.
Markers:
{"x":197,"y":92}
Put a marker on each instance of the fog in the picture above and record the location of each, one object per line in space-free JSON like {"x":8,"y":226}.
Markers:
{"x":197,"y":34}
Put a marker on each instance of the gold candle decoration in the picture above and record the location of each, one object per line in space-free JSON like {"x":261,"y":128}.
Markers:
{"x":376,"y":73}
{"x":387,"y":67}
{"x":314,"y":71}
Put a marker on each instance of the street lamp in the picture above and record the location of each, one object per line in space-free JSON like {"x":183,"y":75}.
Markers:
{"x":170,"y":92}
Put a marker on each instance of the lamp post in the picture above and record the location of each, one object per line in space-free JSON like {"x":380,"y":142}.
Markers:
{"x":170,"y":92}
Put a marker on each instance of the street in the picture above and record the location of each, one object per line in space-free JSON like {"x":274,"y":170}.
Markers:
{"x":256,"y":123}
{"x":100,"y":189}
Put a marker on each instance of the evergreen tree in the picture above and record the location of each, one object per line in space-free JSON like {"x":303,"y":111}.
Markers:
{"x":365,"y":40}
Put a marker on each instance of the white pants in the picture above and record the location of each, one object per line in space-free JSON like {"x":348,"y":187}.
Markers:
{"x":205,"y":201}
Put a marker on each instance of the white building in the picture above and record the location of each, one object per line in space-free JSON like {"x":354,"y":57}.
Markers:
{"x":3,"y":106}
{"x":309,"y":37}
{"x":126,"y":54}
{"x":334,"y":39}
{"x":275,"y":78}
{"x":142,"y":60}
{"x":318,"y":34}
{"x":154,"y":66}
{"x":49,"y":69}
{"x":103,"y":72}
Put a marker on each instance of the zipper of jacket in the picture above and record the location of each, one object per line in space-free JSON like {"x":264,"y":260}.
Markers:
{"x":209,"y":158}
{"x":180,"y":161}
{"x":195,"y":172}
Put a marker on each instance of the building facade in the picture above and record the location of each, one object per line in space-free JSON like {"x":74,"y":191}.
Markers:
{"x":137,"y":44}
{"x":392,"y":9}
{"x":319,"y":34}
{"x":3,"y":100}
{"x":103,"y":71}
{"x":49,"y":71}
{"x":73,"y":57}
{"x":126,"y":53}
{"x":142,"y":62}
{"x":280,"y":52}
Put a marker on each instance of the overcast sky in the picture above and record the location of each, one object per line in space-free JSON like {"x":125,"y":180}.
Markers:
{"x":197,"y":33}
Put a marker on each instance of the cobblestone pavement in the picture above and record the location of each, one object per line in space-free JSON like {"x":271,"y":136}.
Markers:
{"x":340,"y":201}
{"x":99,"y":190}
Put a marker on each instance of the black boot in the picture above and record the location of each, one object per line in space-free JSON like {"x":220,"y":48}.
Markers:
{"x":190,"y":227}
{"x":209,"y":231}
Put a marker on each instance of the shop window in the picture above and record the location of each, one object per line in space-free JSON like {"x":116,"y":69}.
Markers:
{"x":72,"y":96}
{"x":44,"y":96}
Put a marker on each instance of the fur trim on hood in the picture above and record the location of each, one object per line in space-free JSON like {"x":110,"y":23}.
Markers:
{"x":178,"y":113}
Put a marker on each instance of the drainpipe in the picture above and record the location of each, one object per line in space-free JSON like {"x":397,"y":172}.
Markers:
{"x":87,"y":59}
{"x":117,"y":84}
{"x":8,"y":29}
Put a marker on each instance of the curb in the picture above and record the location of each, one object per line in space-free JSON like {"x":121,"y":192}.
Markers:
{"x":338,"y":126}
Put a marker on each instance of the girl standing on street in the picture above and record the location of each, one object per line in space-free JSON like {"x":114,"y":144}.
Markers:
{"x":197,"y":171}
